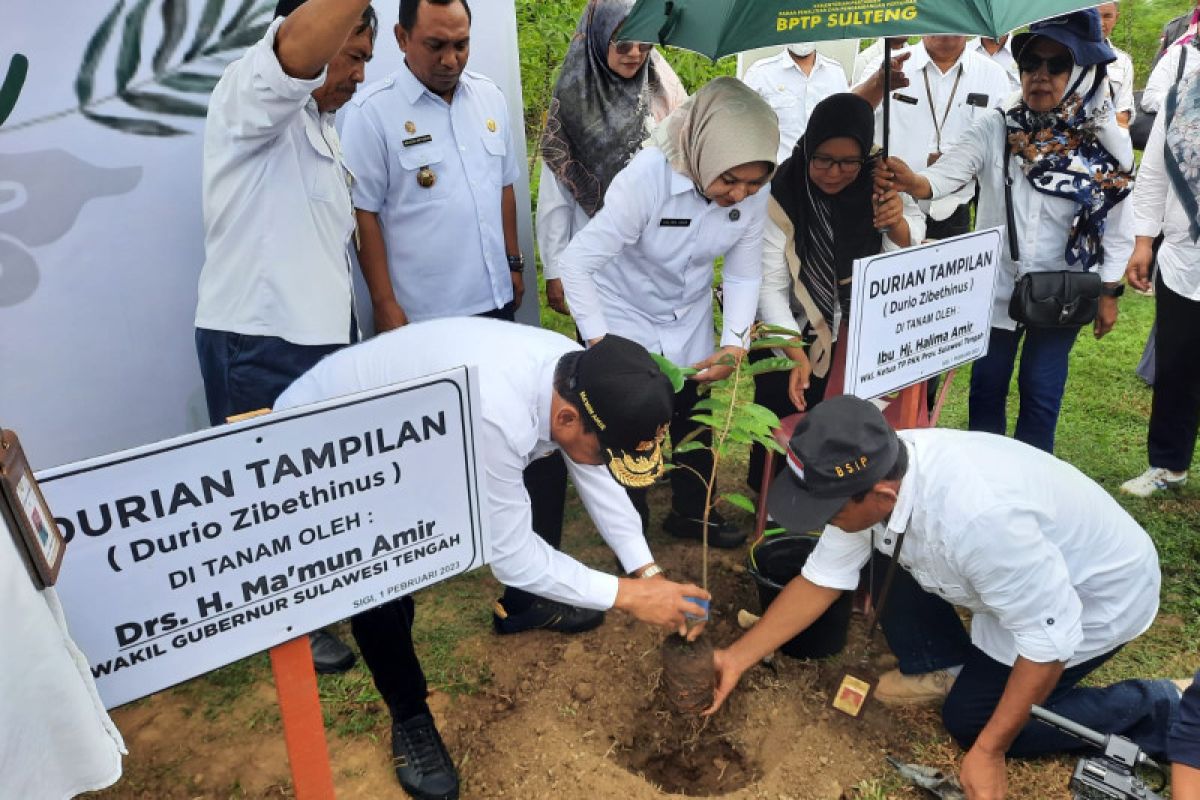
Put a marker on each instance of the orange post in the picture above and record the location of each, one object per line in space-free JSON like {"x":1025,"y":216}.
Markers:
{"x":303,"y":725}
{"x":911,"y":400}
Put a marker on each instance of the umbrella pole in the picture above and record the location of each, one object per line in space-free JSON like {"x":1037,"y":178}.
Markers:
{"x":887,"y":94}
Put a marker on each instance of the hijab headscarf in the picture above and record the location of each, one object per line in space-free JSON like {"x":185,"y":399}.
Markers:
{"x":1183,"y":145}
{"x":1078,"y":152}
{"x":826,"y":233}
{"x":723,"y":125}
{"x":597,"y":119}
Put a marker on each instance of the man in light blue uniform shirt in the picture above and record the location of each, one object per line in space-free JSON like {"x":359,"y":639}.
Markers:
{"x":432,"y":153}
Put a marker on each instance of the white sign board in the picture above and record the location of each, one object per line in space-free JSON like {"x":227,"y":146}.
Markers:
{"x":921,"y":311}
{"x":191,"y":553}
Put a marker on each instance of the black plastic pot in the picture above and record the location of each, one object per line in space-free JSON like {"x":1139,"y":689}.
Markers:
{"x":778,"y":560}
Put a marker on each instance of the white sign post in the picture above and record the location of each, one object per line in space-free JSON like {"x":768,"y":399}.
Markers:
{"x":191,"y":553}
{"x":919,"y":312}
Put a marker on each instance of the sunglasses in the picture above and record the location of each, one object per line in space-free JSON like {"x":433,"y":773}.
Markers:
{"x":1055,"y":65}
{"x":625,"y":48}
{"x":826,"y":163}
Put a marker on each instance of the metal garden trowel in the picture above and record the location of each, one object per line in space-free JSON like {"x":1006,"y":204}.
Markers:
{"x":934,"y":781}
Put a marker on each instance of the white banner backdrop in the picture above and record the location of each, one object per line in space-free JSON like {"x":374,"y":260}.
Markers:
{"x":189,"y":554}
{"x":101,"y":236}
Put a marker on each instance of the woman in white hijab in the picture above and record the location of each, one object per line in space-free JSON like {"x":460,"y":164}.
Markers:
{"x":1068,"y":163}
{"x":643,"y":266}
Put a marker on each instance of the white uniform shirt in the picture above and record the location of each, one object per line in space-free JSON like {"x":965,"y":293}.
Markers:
{"x":1043,"y":222}
{"x":1052,"y":567}
{"x":643,"y":267}
{"x":792,"y":94}
{"x":1162,"y":78}
{"x":559,"y":218}
{"x":445,"y":243}
{"x":516,"y":373}
{"x":1120,"y":82}
{"x":1156,"y":209}
{"x":775,"y":293}
{"x":872,"y":55}
{"x":981,"y":86}
{"x":277,"y":215}
{"x":1002,"y":57}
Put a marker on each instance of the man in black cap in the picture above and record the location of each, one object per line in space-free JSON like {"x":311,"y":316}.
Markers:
{"x":606,"y":409}
{"x":1058,"y":577}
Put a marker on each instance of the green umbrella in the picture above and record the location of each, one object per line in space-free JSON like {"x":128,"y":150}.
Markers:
{"x":718,"y":28}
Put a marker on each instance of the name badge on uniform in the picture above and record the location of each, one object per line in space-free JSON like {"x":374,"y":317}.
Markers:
{"x":978,"y":100}
{"x":904,"y":98}
{"x":417,"y":140}
{"x":670,"y":222}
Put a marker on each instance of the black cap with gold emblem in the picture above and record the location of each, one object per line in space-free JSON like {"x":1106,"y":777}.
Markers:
{"x":629,"y":401}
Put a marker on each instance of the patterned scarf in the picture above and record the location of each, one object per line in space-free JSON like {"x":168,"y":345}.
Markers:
{"x":597,"y":120}
{"x":1190,"y":34}
{"x":1183,"y":145}
{"x":1061,"y":155}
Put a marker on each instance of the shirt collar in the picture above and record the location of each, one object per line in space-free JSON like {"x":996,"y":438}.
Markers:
{"x":545,"y":400}
{"x":823,"y":62}
{"x":906,"y":497}
{"x":680,"y":183}
{"x":921,"y":59}
{"x":411,"y":88}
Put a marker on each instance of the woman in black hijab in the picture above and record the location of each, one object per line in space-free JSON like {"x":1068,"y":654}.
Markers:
{"x":824,"y":214}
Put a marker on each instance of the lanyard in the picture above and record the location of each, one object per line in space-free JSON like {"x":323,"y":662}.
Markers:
{"x":937,"y":126}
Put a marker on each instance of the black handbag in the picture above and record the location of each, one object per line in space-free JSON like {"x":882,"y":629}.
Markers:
{"x":1059,"y":299}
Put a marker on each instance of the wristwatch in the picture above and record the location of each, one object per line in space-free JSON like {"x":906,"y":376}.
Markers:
{"x":1112,"y":291}
{"x":516,"y":263}
{"x":651,"y":571}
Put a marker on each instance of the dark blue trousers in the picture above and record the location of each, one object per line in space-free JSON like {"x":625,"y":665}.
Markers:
{"x":926,"y":634}
{"x":1040,"y":383}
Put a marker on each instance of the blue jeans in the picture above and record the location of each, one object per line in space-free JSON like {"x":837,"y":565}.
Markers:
{"x":925,"y":633}
{"x":1040,"y":383}
{"x":245,"y":373}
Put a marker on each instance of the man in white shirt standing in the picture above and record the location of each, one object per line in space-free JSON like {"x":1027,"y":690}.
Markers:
{"x":1058,"y":577}
{"x":792,"y":83}
{"x":431,"y":150}
{"x":1120,"y":72}
{"x":275,"y":290}
{"x":949,"y":88}
{"x":1000,"y":51}
{"x":604,"y":409}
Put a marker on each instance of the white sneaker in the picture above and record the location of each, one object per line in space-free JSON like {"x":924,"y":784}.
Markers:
{"x":1155,"y":479}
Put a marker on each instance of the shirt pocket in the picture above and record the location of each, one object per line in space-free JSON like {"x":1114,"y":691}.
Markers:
{"x":325,"y":176}
{"x":419,"y":163}
{"x":495,"y":148}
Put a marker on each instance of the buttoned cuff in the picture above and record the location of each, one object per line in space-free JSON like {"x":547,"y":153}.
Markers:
{"x":1051,"y":639}
{"x":1146,"y":227}
{"x":601,"y":591}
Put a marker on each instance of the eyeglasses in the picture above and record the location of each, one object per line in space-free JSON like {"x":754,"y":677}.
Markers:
{"x":625,"y":48}
{"x":826,"y":163}
{"x":1055,"y":65}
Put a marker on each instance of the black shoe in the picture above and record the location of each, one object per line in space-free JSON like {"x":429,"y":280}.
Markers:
{"x":330,"y":654}
{"x":548,"y":615}
{"x":422,"y":764}
{"x":720,"y":533}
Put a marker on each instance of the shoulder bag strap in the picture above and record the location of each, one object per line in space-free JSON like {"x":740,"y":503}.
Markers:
{"x":877,"y":611}
{"x":1010,"y":215}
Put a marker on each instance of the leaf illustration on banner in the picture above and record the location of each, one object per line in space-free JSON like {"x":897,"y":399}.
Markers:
{"x":14,"y":81}
{"x":151,"y":77}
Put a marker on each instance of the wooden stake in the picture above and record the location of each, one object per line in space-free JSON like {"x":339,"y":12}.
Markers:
{"x":303,"y":725}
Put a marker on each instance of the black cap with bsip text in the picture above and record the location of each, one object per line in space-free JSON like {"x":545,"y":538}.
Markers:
{"x":842,"y":447}
{"x":629,"y":401}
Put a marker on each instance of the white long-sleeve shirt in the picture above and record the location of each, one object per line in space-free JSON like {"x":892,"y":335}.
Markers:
{"x":961,"y":96}
{"x":516,"y":372}
{"x":1052,"y":567}
{"x":643,"y":266}
{"x":1043,"y":221}
{"x":1163,"y":76}
{"x":1156,"y":209}
{"x":1120,"y":82}
{"x":774,"y":295}
{"x":792,"y":94}
{"x":277,"y":214}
